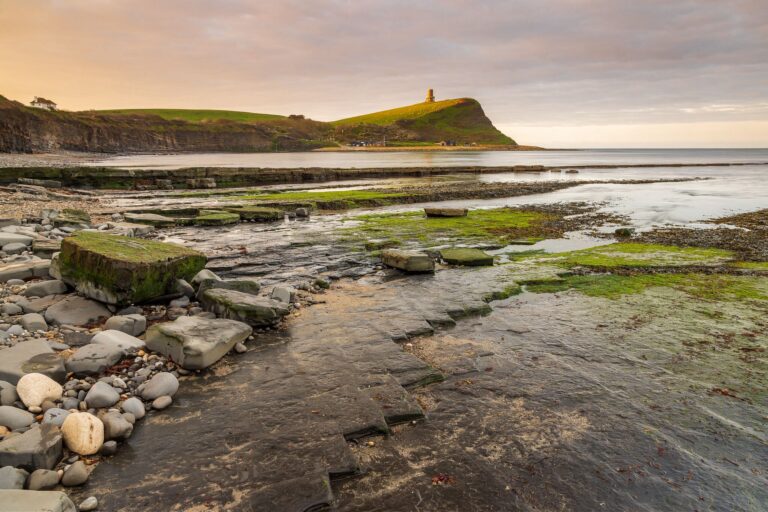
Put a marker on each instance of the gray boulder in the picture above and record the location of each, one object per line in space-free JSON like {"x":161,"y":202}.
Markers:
{"x":134,"y":406}
{"x":133,"y":324}
{"x":14,"y":238}
{"x":14,"y":248}
{"x":204,"y":274}
{"x":38,"y":501}
{"x":101,"y":395}
{"x":8,"y":393}
{"x":42,"y":480}
{"x":34,"y":322}
{"x":184,"y":288}
{"x":15,"y":418}
{"x":76,"y":474}
{"x":93,"y":359}
{"x":244,"y":307}
{"x":12,"y":478}
{"x":37,"y":448}
{"x":45,"y":288}
{"x":118,"y":339}
{"x":25,"y":270}
{"x":10,"y":309}
{"x":194,"y":342}
{"x":283,"y":294}
{"x":55,"y":416}
{"x":31,"y":356}
{"x":116,"y":426}
{"x":76,"y":310}
{"x":163,"y":383}
{"x":241,"y":285}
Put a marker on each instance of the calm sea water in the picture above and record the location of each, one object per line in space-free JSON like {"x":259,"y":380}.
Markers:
{"x":439,"y":158}
{"x":723,"y":190}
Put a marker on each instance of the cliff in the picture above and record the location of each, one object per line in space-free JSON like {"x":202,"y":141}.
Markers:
{"x":25,"y":129}
{"x":30,"y":130}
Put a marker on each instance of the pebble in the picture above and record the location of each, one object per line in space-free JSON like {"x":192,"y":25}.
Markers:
{"x":162,"y":402}
{"x":109,"y":448}
{"x":163,"y":383}
{"x":76,"y":474}
{"x":88,"y":504}
{"x":240,"y":348}
{"x":134,"y":406}
{"x":102,"y":395}
{"x":42,"y":480}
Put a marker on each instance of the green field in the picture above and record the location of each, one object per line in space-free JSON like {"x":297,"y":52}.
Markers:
{"x":387,"y":117}
{"x":195,"y":116}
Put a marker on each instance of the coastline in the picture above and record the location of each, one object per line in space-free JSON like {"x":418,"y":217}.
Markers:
{"x":435,"y":147}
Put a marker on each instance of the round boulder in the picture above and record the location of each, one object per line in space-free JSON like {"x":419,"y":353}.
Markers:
{"x":100,"y":395}
{"x":83,"y":433}
{"x":163,"y":383}
{"x":36,"y":388}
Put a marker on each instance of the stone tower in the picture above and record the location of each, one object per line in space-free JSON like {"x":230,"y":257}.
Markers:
{"x":430,"y":96}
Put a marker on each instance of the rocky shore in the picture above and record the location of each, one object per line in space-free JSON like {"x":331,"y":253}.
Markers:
{"x":129,"y":334}
{"x":81,"y":363}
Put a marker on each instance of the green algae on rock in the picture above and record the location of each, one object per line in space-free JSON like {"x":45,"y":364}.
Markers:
{"x":216,"y":218}
{"x":712,"y":287}
{"x":121,"y":270}
{"x":466,"y":256}
{"x":636,"y":255}
{"x":499,"y":225}
{"x":258,"y":213}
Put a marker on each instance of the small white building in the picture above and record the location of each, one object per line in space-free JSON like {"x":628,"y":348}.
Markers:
{"x":43,"y":103}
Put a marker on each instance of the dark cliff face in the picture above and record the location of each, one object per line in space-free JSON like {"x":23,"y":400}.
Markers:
{"x":24,"y":129}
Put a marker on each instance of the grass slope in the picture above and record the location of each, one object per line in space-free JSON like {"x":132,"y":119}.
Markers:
{"x":391,"y":116}
{"x":461,"y":120}
{"x":195,"y":116}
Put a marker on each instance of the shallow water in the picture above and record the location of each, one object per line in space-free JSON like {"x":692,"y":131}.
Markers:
{"x":436,"y":158}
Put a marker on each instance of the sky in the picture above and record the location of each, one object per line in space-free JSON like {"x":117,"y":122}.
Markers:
{"x":554,"y":73}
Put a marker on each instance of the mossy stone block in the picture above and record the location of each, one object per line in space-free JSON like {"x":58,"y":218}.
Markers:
{"x":213,"y":218}
{"x":258,"y":213}
{"x":122,"y":270}
{"x":466,"y":256}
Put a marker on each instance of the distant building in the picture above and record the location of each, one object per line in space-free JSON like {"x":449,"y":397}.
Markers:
{"x":430,"y":96}
{"x":43,"y":103}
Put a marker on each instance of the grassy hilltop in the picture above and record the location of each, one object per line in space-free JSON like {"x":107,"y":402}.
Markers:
{"x":25,"y":129}
{"x":461,"y":120}
{"x":195,"y":116}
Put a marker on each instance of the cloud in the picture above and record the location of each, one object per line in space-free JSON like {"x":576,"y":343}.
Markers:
{"x":531,"y":63}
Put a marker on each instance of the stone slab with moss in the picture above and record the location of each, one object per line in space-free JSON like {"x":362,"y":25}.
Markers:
{"x":495,"y":226}
{"x":153,"y":219}
{"x":244,"y":307}
{"x":638,"y":255}
{"x":258,"y":213}
{"x":466,"y":256}
{"x":445,"y":212}
{"x":408,"y":261}
{"x":121,"y":270}
{"x":71,"y":217}
{"x":216,"y":218}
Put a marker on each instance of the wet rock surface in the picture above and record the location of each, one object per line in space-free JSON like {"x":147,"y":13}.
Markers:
{"x":494,"y":424}
{"x":409,"y":392}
